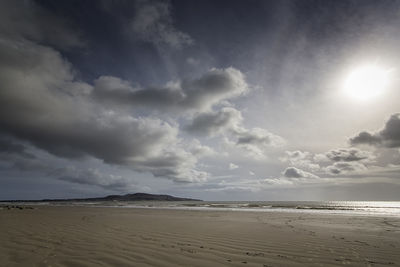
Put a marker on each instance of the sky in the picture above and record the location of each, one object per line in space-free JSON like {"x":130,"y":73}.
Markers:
{"x":217,"y":100}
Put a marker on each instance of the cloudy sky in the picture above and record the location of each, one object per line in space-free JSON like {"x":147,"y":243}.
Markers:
{"x":218,"y":100}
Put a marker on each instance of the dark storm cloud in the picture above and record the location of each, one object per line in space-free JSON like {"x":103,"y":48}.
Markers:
{"x":26,"y":164}
{"x":178,"y":166}
{"x":93,"y":177}
{"x":153,"y":23}
{"x":16,"y":156}
{"x":33,"y":108}
{"x":193,"y":95}
{"x":257,"y":137}
{"x":8,"y":146}
{"x":42,"y":103}
{"x":389,"y":136}
{"x":348,"y":154}
{"x":366,"y":138}
{"x":211,"y":123}
{"x":28,"y":20}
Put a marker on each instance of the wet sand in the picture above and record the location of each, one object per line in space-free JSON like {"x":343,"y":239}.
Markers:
{"x":89,"y":236}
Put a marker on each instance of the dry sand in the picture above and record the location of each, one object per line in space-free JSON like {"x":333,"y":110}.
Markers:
{"x":84,"y":236}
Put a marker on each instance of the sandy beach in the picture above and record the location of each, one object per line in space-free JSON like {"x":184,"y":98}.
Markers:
{"x":96,"y":236}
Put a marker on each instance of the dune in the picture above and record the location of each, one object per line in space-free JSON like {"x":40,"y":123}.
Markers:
{"x":98,"y":236}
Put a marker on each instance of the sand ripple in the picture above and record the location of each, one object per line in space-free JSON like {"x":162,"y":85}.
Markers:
{"x":82,"y":236}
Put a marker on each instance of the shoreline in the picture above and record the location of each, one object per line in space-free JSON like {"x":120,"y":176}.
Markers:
{"x":162,"y":205}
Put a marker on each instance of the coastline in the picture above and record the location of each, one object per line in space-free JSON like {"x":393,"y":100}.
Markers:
{"x":347,"y":208}
{"x":92,"y":236}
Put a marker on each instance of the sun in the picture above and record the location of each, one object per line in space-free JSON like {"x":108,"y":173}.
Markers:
{"x":367,"y":82}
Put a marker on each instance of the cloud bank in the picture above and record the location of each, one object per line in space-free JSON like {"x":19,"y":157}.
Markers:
{"x":41,"y":102}
{"x":195,"y":95}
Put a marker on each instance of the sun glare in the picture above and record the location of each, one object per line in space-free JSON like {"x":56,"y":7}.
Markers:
{"x":366,"y":82}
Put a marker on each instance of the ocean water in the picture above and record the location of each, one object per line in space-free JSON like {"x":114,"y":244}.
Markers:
{"x":378,"y":208}
{"x":365,"y":208}
{"x":371,"y":208}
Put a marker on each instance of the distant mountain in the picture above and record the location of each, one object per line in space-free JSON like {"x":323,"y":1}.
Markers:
{"x":140,"y":196}
{"x":127,"y":197}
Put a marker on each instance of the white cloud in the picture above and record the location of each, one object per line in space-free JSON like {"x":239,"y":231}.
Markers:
{"x":257,"y":140}
{"x":233,"y":166}
{"x":321,"y":158}
{"x":279,"y":181}
{"x":199,"y":150}
{"x":301,"y":159}
{"x":334,"y":162}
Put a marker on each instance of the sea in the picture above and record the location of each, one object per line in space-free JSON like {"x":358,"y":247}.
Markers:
{"x":362,"y":208}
